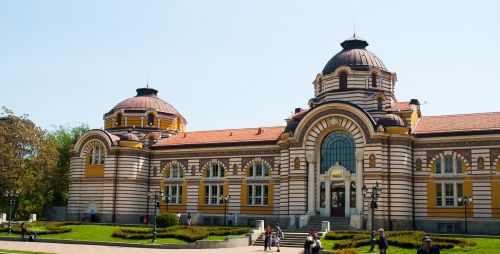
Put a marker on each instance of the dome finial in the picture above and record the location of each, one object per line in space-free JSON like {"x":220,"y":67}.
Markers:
{"x":354,"y":24}
{"x":147,"y":79}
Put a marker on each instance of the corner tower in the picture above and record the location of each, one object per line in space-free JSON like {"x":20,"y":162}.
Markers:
{"x":149,"y":117}
{"x":357,"y":76}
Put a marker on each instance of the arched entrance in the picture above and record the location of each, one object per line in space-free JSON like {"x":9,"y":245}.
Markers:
{"x":337,"y":199}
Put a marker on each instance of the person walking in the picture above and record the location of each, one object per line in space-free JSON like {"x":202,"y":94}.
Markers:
{"x":383,"y":245}
{"x":268,"y":232}
{"x":279,"y":235}
{"x":427,"y":247}
{"x":24,"y":231}
{"x":230,"y":220}
{"x":189,"y":219}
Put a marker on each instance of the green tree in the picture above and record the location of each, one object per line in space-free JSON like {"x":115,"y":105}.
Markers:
{"x":65,"y":138}
{"x":28,"y":163}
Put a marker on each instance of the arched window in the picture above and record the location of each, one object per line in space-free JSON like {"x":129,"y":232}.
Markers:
{"x":338,"y":146}
{"x":343,"y":80}
{"x":296,"y":163}
{"x":175,"y":171}
{"x":214,"y":170}
{"x":258,"y":169}
{"x":480,"y":163}
{"x":155,"y":172}
{"x":449,"y":164}
{"x":193,"y":170}
{"x":418,"y":165}
{"x":372,"y":160}
{"x":119,"y":119}
{"x":379,"y":103}
{"x":235,"y":169}
{"x":374,"y":80}
{"x":151,"y":120}
{"x":96,"y":156}
{"x":320,"y":85}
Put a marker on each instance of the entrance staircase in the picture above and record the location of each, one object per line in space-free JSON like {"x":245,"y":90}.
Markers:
{"x":296,"y":238}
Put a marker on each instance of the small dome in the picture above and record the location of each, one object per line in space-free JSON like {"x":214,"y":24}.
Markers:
{"x":145,"y":99}
{"x":391,"y":120}
{"x":355,"y":56}
{"x":129,"y":136}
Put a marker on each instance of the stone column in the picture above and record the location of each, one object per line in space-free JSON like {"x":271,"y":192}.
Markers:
{"x":359,"y":181}
{"x":310,"y":183}
{"x":347,"y":208}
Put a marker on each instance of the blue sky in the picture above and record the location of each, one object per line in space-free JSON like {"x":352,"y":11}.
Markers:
{"x":234,"y":64}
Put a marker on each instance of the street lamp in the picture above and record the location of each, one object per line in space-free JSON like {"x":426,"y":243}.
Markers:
{"x":225,"y":200}
{"x":155,"y":195}
{"x":167,"y":200}
{"x":465,"y":201}
{"x":373,"y":197}
{"x":11,"y":195}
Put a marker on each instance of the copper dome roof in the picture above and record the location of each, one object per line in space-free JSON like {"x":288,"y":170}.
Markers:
{"x":145,"y":99}
{"x":355,"y":56}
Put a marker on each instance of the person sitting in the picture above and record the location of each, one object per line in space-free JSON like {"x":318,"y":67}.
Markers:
{"x":308,"y":243}
{"x":427,"y":247}
{"x":32,"y":236}
{"x":316,"y":246}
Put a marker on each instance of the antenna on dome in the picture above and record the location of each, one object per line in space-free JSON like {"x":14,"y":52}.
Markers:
{"x":354,"y":27}
{"x":147,"y":79}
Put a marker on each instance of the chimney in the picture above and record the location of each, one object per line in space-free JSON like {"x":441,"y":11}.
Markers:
{"x":231,"y":133}
{"x":260,"y":131}
{"x":184,"y":135}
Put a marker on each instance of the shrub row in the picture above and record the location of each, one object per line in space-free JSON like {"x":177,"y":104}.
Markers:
{"x":347,"y":251}
{"x":50,"y":228}
{"x":403,"y":239}
{"x":189,"y":234}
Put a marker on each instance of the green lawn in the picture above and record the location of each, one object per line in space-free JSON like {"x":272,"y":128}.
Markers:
{"x":22,"y":252}
{"x":100,"y":233}
{"x":484,"y":246}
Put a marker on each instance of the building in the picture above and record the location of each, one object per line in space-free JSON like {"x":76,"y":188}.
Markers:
{"x":354,"y":133}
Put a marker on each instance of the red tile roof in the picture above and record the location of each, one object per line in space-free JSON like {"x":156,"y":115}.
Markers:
{"x":458,"y":123}
{"x":223,"y":136}
{"x":402,"y":106}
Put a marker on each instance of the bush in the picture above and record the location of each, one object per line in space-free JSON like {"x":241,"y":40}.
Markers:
{"x":164,"y":220}
{"x":404,"y":239}
{"x":49,"y":227}
{"x":189,"y":234}
{"x":348,"y":251}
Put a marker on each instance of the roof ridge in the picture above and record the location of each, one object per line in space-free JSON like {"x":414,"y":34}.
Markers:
{"x":466,"y":114}
{"x":235,"y":129}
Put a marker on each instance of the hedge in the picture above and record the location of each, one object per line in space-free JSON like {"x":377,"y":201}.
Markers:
{"x":50,"y":228}
{"x":404,"y":239}
{"x":164,"y":220}
{"x":189,"y":234}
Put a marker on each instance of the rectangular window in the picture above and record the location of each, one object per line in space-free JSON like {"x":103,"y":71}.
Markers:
{"x":449,"y":196}
{"x":212,"y":194}
{"x":439,"y":195}
{"x":258,"y":169}
{"x":258,"y":194}
{"x":460,"y":191}
{"x":175,"y":194}
{"x":438,"y":166}
{"x":448,"y":168}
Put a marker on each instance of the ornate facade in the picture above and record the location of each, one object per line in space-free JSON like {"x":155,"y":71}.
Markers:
{"x":354,"y":133}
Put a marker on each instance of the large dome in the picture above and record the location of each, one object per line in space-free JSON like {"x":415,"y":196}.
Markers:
{"x":355,"y":56}
{"x":145,"y":99}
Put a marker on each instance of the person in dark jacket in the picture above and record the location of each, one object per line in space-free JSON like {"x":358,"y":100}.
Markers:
{"x":24,"y":231}
{"x":268,"y":232}
{"x":383,"y":244}
{"x":427,"y":247}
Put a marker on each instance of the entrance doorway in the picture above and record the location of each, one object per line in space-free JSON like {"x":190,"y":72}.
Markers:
{"x":337,"y":200}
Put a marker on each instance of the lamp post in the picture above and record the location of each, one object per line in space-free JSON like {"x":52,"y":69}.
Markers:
{"x":156,"y":195}
{"x":225,"y":200}
{"x":373,"y":197}
{"x":465,"y":201}
{"x":11,"y":195}
{"x":167,"y":200}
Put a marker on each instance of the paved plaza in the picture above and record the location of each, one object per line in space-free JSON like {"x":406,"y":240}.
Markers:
{"x":86,"y":249}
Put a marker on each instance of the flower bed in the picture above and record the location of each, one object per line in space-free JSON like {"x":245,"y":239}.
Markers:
{"x":404,"y":239}
{"x":189,"y":234}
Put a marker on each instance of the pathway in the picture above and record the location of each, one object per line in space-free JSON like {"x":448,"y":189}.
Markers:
{"x":60,"y":248}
